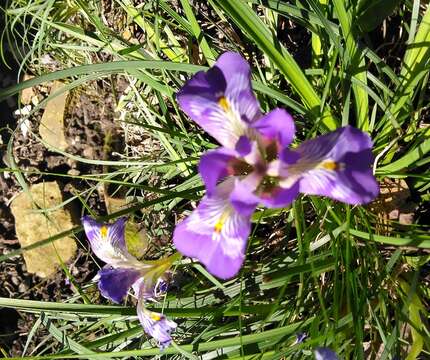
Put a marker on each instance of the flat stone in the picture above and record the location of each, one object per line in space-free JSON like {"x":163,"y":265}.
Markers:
{"x":51,"y":128}
{"x":32,"y":225}
{"x":28,"y":93}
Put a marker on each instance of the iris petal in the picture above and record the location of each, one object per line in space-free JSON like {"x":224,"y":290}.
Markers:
{"x":277,"y":125}
{"x":278,"y":196}
{"x":213,"y":167}
{"x":108,"y":241}
{"x":156,"y":325}
{"x":215,"y":233}
{"x":115,"y":283}
{"x":325,"y":354}
{"x":221,"y":100}
{"x":337,"y":165}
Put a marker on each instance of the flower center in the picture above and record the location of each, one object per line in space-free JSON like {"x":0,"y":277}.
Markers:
{"x":267,"y":185}
{"x":239,"y":167}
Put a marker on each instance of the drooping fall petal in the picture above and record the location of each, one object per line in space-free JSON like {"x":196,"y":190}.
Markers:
{"x":337,"y":165}
{"x":115,"y":283}
{"x":215,"y":233}
{"x":156,"y":325}
{"x":221,"y":100}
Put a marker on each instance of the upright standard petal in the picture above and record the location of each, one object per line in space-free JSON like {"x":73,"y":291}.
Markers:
{"x":115,"y":283}
{"x":215,"y":233}
{"x":156,"y":325}
{"x":108,"y":241}
{"x":278,"y":126}
{"x":337,"y":165}
{"x":242,"y":198}
{"x":214,"y":166}
{"x":221,"y":100}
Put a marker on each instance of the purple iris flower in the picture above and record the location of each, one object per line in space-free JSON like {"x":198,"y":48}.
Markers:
{"x":322,"y":353}
{"x":123,"y":271}
{"x":255,"y":166}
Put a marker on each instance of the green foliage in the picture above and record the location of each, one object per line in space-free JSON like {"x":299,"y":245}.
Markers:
{"x":371,"y":13}
{"x":336,"y":272}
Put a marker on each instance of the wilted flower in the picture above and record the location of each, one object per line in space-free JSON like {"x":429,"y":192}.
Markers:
{"x":123,"y":271}
{"x":325,"y":354}
{"x":255,"y":165}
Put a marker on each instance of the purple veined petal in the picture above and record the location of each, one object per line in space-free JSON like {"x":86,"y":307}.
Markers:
{"x":238,"y":92}
{"x":215,"y":233}
{"x":278,"y":125}
{"x":351,"y":183}
{"x":115,"y":283}
{"x":337,"y":165}
{"x":322,"y":353}
{"x":156,"y":325}
{"x":214,"y":166}
{"x":334,"y":145}
{"x":221,"y":100}
{"x":161,"y":287}
{"x":108,"y":242}
{"x":288,"y":156}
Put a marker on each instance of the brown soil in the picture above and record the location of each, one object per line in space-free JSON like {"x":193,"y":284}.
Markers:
{"x":89,"y":119}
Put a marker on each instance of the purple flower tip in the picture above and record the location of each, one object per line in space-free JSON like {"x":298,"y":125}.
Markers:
{"x":323,"y":353}
{"x":300,"y":337}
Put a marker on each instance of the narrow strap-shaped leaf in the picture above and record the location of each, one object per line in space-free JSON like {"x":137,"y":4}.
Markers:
{"x":357,"y":66}
{"x":249,"y":22}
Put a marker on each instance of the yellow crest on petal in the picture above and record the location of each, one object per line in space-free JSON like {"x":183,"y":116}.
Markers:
{"x":223,"y":103}
{"x":155,"y":316}
{"x":103,"y":231}
{"x":218,"y":226}
{"x":330,"y":165}
{"x":221,"y":221}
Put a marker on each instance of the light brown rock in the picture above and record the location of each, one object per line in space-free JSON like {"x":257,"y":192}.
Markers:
{"x":51,"y":128}
{"x":32,"y":226}
{"x":28,"y":93}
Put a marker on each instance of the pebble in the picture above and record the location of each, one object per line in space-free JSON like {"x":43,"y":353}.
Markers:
{"x":73,"y":172}
{"x":22,"y":288}
{"x":15,"y":280}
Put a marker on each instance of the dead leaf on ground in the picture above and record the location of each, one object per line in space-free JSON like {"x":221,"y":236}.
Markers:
{"x":32,"y":226}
